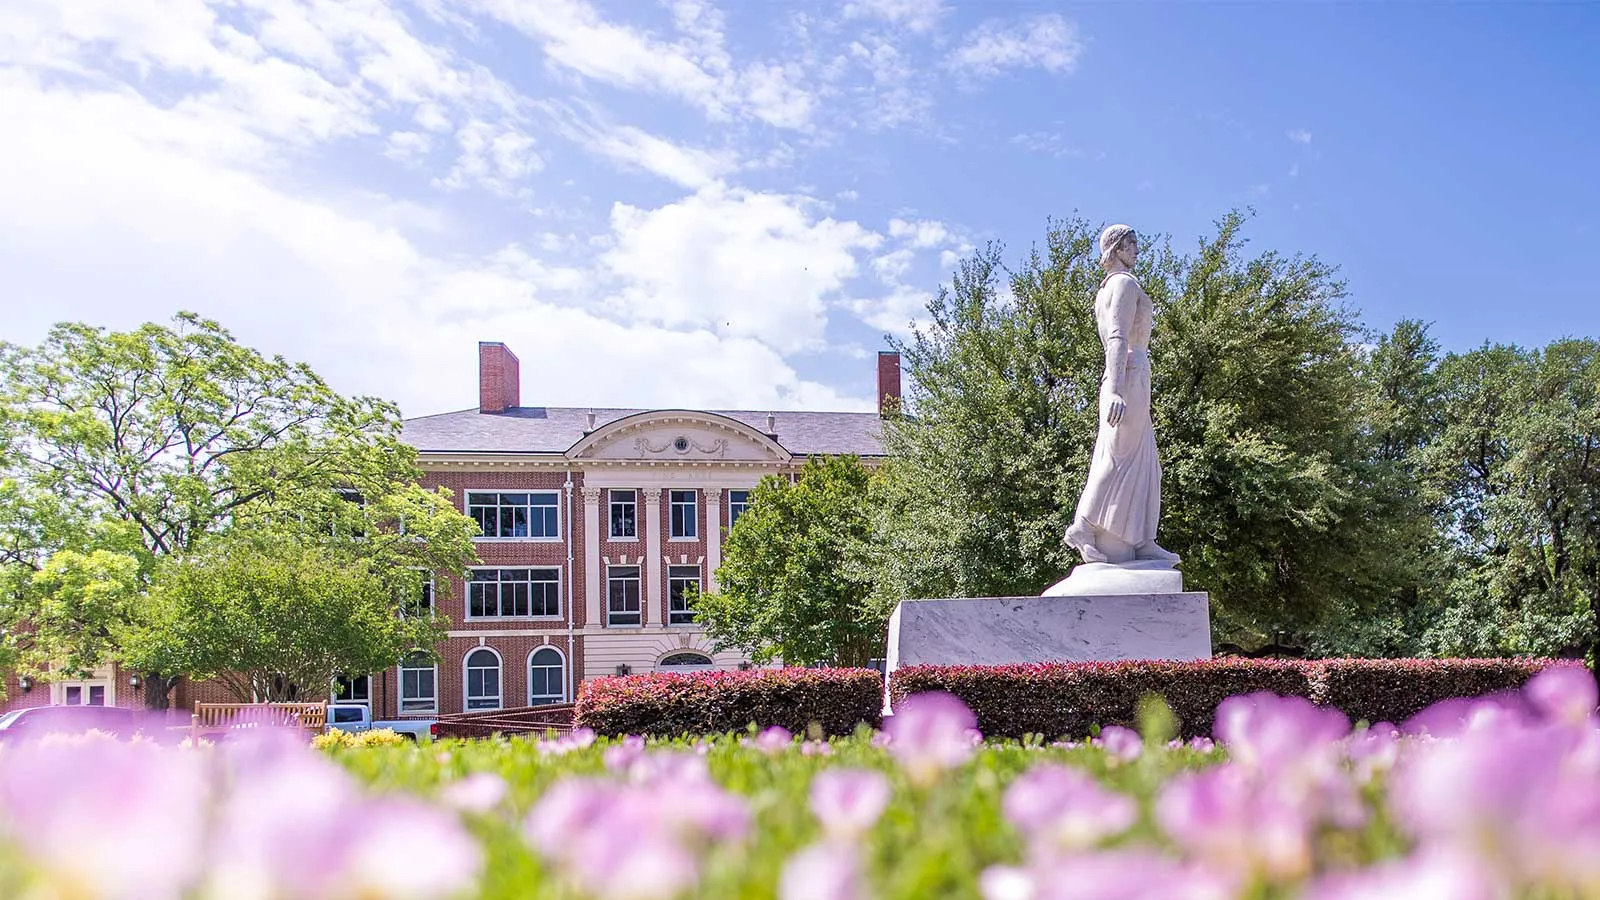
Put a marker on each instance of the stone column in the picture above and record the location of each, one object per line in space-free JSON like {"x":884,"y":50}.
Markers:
{"x":652,"y":554}
{"x":714,"y":537}
{"x":591,"y":557}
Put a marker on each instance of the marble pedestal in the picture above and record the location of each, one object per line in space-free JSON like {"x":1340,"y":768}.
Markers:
{"x":1084,"y":628}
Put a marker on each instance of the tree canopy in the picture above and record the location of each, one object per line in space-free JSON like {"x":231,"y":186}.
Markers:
{"x":791,"y":585}
{"x":125,"y":456}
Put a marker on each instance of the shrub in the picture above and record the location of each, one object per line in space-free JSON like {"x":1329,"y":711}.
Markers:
{"x":378,"y":737}
{"x":1394,"y":690}
{"x":667,"y":705}
{"x":1069,"y":699}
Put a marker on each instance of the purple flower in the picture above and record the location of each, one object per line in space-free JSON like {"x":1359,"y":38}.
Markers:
{"x":1564,"y":693}
{"x":119,"y":821}
{"x":621,"y":756}
{"x":1268,"y":732}
{"x":627,"y":866}
{"x":1429,"y":875}
{"x":440,"y":858}
{"x":1064,"y":808}
{"x":931,"y":732}
{"x":478,"y":792}
{"x":1224,"y":817}
{"x":774,"y":739}
{"x":1122,"y":743}
{"x":848,"y":801}
{"x":816,"y":748}
{"x":830,"y":870}
{"x":1107,"y":875}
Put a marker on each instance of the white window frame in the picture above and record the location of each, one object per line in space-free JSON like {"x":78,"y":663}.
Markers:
{"x":638,"y":580}
{"x":400,"y":687}
{"x":561,"y":676}
{"x":333,"y":689}
{"x":58,"y":692}
{"x":710,"y":663}
{"x":672,"y":603}
{"x":693,"y":519}
{"x":466,"y":680}
{"x":612,"y":501}
{"x":540,"y":617}
{"x":736,"y":508}
{"x":467,"y":507}
{"x":430,"y":589}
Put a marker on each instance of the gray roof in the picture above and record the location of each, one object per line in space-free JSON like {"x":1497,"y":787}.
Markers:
{"x":553,"y":429}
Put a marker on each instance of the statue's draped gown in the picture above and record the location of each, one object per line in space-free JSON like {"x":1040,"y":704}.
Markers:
{"x":1123,"y":494}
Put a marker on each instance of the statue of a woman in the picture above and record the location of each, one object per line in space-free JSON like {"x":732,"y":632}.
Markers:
{"x":1121,"y":504}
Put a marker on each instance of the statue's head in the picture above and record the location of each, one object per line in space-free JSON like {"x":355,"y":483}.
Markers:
{"x":1118,"y":241}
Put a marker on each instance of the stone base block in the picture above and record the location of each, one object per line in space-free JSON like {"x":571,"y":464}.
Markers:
{"x":1004,"y":630}
{"x":1133,"y":577}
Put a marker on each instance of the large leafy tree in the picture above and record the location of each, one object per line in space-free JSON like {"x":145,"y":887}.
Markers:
{"x":127,"y":453}
{"x":1271,"y":488}
{"x":791,"y":585}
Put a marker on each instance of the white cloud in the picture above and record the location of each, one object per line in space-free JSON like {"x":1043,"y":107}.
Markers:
{"x":1048,"y":42}
{"x":914,"y":15}
{"x":922,"y":234}
{"x":697,"y":68}
{"x":1052,"y":143}
{"x":1294,"y":170}
{"x":687,"y":166}
{"x":743,"y":264}
{"x":118,"y":208}
{"x":1300,"y":136}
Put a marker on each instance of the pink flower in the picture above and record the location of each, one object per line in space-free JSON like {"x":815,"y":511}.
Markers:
{"x":830,"y":870}
{"x":1107,"y":875}
{"x":931,"y":732}
{"x":623,"y":866}
{"x":848,"y":801}
{"x":621,"y":756}
{"x":1122,"y":743}
{"x":1564,"y":693}
{"x":1268,"y":732}
{"x":1429,"y":875}
{"x":774,"y":739}
{"x":117,"y":821}
{"x":1222,"y":816}
{"x":440,"y":859}
{"x":1061,"y":807}
{"x":477,"y":793}
{"x":816,"y":748}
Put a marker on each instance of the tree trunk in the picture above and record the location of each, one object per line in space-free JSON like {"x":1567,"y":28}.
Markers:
{"x":157,"y":690}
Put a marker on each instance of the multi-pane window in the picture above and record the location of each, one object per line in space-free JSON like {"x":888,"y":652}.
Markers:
{"x":483,"y":680}
{"x":352,"y":690}
{"x":624,"y":514}
{"x":419,"y":682}
{"x":508,"y":593}
{"x":622,"y":595}
{"x":738,"y":502}
{"x":531,"y":514}
{"x":84,"y":695}
{"x":544,"y":677}
{"x":685,"y":521}
{"x":421,"y":603}
{"x":682,"y":582}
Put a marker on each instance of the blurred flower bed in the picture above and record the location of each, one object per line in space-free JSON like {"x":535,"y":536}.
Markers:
{"x":1488,"y":798}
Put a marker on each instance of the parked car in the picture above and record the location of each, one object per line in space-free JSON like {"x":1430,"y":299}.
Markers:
{"x":357,"y":717}
{"x":26,"y":724}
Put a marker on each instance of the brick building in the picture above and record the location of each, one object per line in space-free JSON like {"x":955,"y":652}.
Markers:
{"x":593,"y":521}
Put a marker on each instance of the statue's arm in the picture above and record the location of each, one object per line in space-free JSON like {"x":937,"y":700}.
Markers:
{"x":1123,"y":304}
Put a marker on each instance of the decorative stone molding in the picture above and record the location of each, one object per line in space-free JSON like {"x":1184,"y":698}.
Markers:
{"x":591,"y":494}
{"x":682,"y":445}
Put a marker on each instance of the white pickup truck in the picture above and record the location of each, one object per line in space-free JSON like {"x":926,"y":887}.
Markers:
{"x":356,"y":717}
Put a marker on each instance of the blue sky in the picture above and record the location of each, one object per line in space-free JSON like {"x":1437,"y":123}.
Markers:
{"x":728,"y":205}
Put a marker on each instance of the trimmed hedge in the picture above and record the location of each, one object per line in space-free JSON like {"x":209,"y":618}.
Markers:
{"x":668,"y":705}
{"x":1069,"y":699}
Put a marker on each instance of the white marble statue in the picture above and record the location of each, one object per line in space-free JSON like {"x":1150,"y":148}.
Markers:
{"x":1121,"y":503}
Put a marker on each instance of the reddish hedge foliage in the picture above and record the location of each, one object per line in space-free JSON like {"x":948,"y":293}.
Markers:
{"x":1068,"y":699}
{"x":668,"y":705}
{"x":1394,"y":690}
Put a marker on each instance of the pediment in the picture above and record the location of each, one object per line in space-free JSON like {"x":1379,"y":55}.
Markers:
{"x":678,"y":436}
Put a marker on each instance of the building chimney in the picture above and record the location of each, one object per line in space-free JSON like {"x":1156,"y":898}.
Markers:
{"x":499,"y":378}
{"x":888,"y":381}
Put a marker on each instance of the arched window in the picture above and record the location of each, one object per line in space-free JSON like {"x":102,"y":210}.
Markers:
{"x":686,"y":660}
{"x":545,"y":681}
{"x":483,"y":679}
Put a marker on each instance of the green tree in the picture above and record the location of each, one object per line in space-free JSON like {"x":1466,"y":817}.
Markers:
{"x":124,"y":451}
{"x":1517,"y":462}
{"x":791,"y":585}
{"x":1271,"y":490}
